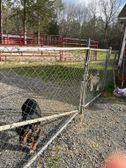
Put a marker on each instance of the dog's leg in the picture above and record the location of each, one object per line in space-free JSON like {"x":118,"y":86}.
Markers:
{"x":98,"y":87}
{"x":91,"y":87}
{"x":34,"y":147}
{"x":26,"y":137}
{"x":20,"y":141}
{"x":35,"y":142}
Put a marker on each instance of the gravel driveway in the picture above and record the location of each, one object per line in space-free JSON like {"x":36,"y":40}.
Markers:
{"x":82,"y":145}
{"x":86,"y":144}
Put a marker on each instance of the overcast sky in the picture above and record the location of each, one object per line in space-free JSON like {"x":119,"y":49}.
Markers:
{"x":77,"y":1}
{"x":85,"y":1}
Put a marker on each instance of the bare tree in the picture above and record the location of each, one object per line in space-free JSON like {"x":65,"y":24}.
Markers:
{"x":109,"y":11}
{"x":93,"y":13}
{"x":59,"y":7}
{"x":73,"y":17}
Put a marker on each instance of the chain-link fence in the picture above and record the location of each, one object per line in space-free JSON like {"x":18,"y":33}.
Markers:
{"x":39,"y":82}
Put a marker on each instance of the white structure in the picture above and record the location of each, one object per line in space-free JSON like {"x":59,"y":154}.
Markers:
{"x":122,"y":19}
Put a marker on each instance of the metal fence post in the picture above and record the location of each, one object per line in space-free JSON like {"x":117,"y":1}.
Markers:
{"x":114,"y":69}
{"x":85,"y":79}
{"x":108,"y":55}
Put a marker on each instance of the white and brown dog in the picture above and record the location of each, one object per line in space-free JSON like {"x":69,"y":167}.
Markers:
{"x":94,"y":82}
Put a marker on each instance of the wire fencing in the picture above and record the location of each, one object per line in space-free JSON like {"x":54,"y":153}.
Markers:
{"x":60,"y":87}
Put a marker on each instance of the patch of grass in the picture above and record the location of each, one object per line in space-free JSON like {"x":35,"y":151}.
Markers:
{"x":53,"y":73}
{"x":98,"y":67}
{"x":11,"y":65}
{"x":101,"y":56}
{"x":110,"y":87}
{"x":56,"y":72}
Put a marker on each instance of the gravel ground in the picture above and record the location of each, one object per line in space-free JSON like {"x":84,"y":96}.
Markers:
{"x":82,"y":145}
{"x":52,"y":97}
{"x":14,"y":90}
{"x":87,"y":143}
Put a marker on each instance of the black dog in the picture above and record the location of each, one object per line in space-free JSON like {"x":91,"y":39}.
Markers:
{"x":29,"y":134}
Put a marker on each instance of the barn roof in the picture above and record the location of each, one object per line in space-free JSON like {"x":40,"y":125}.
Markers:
{"x":122,"y":14}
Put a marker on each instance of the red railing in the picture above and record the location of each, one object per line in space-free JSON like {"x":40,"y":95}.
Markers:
{"x":44,"y":40}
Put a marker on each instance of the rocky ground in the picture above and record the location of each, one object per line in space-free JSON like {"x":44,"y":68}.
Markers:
{"x":52,"y":99}
{"x":86,"y":143}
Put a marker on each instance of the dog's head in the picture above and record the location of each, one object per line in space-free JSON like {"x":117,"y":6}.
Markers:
{"x":30,"y":110}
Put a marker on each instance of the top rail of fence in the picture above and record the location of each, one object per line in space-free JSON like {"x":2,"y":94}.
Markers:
{"x":8,"y":49}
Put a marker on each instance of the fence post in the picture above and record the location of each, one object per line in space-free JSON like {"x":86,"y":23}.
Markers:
{"x":20,"y":40}
{"x":85,"y":79}
{"x":108,"y":55}
{"x":114,"y":69}
{"x":61,"y":44}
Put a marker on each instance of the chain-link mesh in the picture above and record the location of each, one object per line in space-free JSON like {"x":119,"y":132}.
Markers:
{"x":96,"y":75}
{"x":51,"y":79}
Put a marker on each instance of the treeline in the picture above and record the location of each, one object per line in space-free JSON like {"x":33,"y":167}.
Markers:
{"x":98,"y":20}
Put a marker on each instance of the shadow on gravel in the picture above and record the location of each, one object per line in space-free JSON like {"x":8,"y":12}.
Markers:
{"x":4,"y":142}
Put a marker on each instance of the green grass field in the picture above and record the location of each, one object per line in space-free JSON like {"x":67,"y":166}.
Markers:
{"x":57,"y":71}
{"x":48,"y":72}
{"x":65,"y":73}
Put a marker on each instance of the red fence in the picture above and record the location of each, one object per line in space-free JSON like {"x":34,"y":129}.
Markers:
{"x":44,"y":40}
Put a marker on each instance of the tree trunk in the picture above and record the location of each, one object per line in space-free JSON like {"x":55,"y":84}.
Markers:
{"x":1,"y":22}
{"x":7,"y":22}
{"x":39,"y":36}
{"x":24,"y":23}
{"x":39,"y":24}
{"x":106,"y":36}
